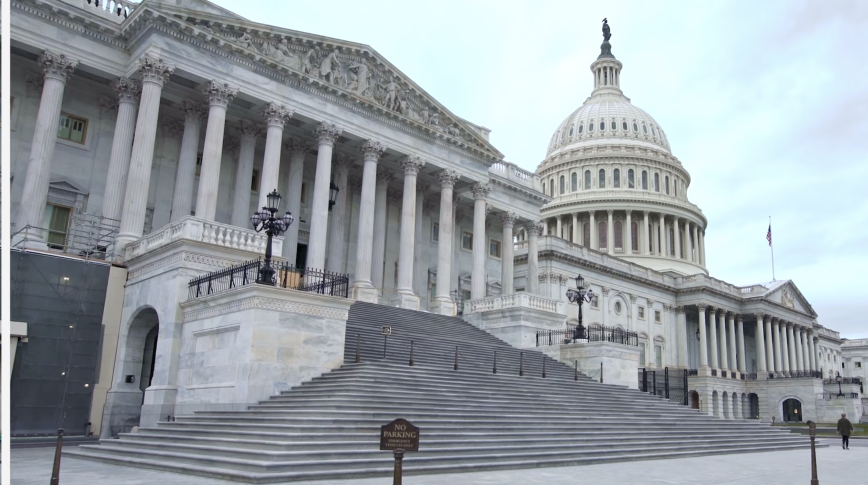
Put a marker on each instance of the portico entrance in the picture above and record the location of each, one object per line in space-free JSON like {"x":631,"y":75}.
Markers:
{"x":792,"y":410}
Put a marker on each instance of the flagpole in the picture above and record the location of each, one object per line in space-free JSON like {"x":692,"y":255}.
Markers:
{"x":772,"y":245}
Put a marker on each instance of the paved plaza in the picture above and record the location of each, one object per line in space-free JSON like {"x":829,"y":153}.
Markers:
{"x":836,"y":466}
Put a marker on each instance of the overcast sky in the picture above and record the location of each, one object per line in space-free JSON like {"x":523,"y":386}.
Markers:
{"x":764,"y":102}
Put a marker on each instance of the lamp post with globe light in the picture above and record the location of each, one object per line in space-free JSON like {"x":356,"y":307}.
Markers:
{"x":839,"y":380}
{"x":583,"y":293}
{"x":264,"y":220}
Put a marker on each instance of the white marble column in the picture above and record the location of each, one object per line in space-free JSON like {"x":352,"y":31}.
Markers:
{"x":56,"y":69}
{"x":576,"y":228}
{"x":703,"y":339}
{"x":628,"y":234}
{"x":363,"y":289}
{"x":219,"y":96}
{"x":712,"y":331}
{"x":297,"y":150}
{"x":420,"y":266}
{"x":664,"y":237}
{"x":337,"y":252}
{"x":594,"y":231}
{"x":724,"y":347}
{"x":405,"y":297}
{"x":730,"y":339}
{"x":702,"y":248}
{"x":326,"y":134}
{"x":378,"y":256}
{"x":676,"y":234}
{"x":761,"y":347}
{"x":610,"y":232}
{"x":533,"y":229}
{"x":154,"y":74}
{"x":740,"y":333}
{"x":507,"y":258}
{"x":182,"y":198}
{"x":681,"y":332}
{"x":122,"y":146}
{"x":800,"y":348}
{"x":558,"y":227}
{"x":785,"y":349}
{"x":646,"y":234}
{"x":695,"y":244}
{"x":776,"y":332}
{"x":480,"y":241}
{"x":771,"y":343}
{"x":815,"y":366}
{"x":275,"y":119}
{"x":241,"y":212}
{"x":442,"y":303}
{"x":792,"y":346}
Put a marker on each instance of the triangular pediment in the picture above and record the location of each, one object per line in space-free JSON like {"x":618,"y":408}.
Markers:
{"x":787,"y":294}
{"x":67,"y":186}
{"x":355,"y":72}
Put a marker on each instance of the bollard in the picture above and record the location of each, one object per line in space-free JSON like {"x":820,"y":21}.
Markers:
{"x":55,"y":472}
{"x":576,"y":378}
{"x":358,"y":348}
{"x":411,"y":353}
{"x":494,"y":369}
{"x":544,"y":366}
{"x":601,"y":372}
{"x":455,"y":367}
{"x":521,"y":363}
{"x":813,"y":431}
{"x":399,"y":458}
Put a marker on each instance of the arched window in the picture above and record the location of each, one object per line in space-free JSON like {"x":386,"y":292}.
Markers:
{"x":634,"y":236}
{"x":591,"y":126}
{"x":601,"y":235}
{"x":552,"y":187}
{"x":614,"y":125}
{"x":587,"y":180}
{"x":656,"y":182}
{"x":619,"y":236}
{"x":624,"y":125}
{"x":631,"y":183}
{"x":666,"y":184}
{"x":602,"y":125}
{"x":571,"y":132}
{"x":675,"y":186}
{"x":616,"y":178}
{"x":581,"y":128}
{"x":635,"y":127}
{"x":654,"y":131}
{"x":644,"y":180}
{"x":601,"y":182}
{"x":586,"y":235}
{"x":564,"y":185}
{"x":644,"y":129}
{"x":574,"y":182}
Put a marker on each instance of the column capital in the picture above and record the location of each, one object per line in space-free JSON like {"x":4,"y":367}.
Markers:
{"x":701,"y":306}
{"x":219,"y":94}
{"x":154,"y":70}
{"x":739,"y":318}
{"x":610,"y":211}
{"x":679,"y":310}
{"x":650,"y":302}
{"x":127,"y":90}
{"x":328,"y":133}
{"x":276,"y":115}
{"x":628,"y":211}
{"x":193,"y":111}
{"x":533,"y":228}
{"x":760,"y":316}
{"x":384,"y":175}
{"x":448,"y":178}
{"x":645,"y":213}
{"x":342,"y":161}
{"x":297,"y":146}
{"x":248,"y":129}
{"x":606,"y":291}
{"x":412,"y":164}
{"x":508,"y":219}
{"x":480,"y":190}
{"x":57,"y":66}
{"x":372,"y":150}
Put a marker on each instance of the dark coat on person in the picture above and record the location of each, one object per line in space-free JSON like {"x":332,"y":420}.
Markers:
{"x":844,"y":427}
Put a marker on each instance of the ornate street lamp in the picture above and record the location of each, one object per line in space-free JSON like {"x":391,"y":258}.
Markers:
{"x":839,"y":380}
{"x":264,"y":220}
{"x":333,"y":195}
{"x":579,"y":296}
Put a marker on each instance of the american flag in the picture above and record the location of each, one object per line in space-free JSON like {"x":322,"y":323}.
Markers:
{"x":769,"y":235}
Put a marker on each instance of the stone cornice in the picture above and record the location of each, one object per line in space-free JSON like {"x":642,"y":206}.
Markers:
{"x":525,"y":192}
{"x":74,"y":19}
{"x":553,"y":206}
{"x":255,"y":296}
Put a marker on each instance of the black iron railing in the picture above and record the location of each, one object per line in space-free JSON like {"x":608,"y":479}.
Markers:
{"x":844,"y":380}
{"x":287,"y":276}
{"x":749,"y":377}
{"x":587,"y":334}
{"x":795,"y":375}
{"x":669,"y":384}
{"x":828,"y":396}
{"x":692,"y":372}
{"x":713,"y":372}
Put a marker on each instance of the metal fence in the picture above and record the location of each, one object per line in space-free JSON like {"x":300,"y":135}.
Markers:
{"x":90,"y":236}
{"x":287,"y":276}
{"x":829,"y":396}
{"x":669,"y":384}
{"x":586,"y":334}
{"x":844,"y":380}
{"x":796,"y":375}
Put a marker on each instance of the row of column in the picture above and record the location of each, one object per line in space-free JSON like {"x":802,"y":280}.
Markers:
{"x":781,"y":346}
{"x":660,"y":243}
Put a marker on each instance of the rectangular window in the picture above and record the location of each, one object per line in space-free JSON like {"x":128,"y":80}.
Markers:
{"x":858,"y":365}
{"x":435,"y":232}
{"x":494,"y":248}
{"x":642,"y":313}
{"x":657,"y":316}
{"x":56,"y":221}
{"x":658,"y":356}
{"x":465,"y":295}
{"x":642,"y":354}
{"x":72,"y":128}
{"x":198,"y":164}
{"x":595,"y":303}
{"x":631,"y":182}
{"x":467,"y":241}
{"x":254,"y":181}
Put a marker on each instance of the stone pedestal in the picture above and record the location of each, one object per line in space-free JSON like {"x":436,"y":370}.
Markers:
{"x":517,"y":318}
{"x":406,"y":300}
{"x":620,"y":363}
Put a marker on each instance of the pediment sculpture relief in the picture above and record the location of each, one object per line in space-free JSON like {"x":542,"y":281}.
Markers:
{"x":787,"y":298}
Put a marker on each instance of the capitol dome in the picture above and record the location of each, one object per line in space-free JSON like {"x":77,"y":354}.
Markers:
{"x":614,"y":184}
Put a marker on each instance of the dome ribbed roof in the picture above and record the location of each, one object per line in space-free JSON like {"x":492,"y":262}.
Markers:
{"x":631,"y":123}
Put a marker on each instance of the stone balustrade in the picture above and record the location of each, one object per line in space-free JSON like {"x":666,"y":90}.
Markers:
{"x":633,"y":194}
{"x":116,"y":10}
{"x":208,"y":232}
{"x":517,"y":175}
{"x":517,"y":300}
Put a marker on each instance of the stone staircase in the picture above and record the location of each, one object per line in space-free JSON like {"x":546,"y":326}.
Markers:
{"x":471,"y":419}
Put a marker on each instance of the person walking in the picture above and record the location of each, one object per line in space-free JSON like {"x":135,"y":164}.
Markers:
{"x":845,"y":428}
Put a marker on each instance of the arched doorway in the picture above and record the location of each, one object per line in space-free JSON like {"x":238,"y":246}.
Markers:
{"x":694,"y":400}
{"x":792,"y":410}
{"x":753,"y":404}
{"x":148,"y":358}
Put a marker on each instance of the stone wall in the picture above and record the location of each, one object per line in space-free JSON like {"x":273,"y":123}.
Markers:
{"x":620,"y":363}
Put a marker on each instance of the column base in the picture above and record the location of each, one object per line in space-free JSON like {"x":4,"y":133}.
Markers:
{"x":441,"y":306}
{"x":703,"y":371}
{"x":364,"y":292}
{"x":408,"y":301}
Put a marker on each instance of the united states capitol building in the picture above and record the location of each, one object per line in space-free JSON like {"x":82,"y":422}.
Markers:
{"x":145,"y":135}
